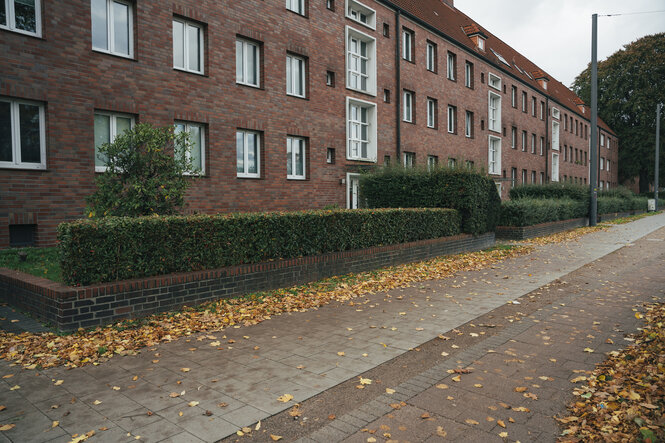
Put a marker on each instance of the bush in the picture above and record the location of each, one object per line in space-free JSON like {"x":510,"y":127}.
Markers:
{"x":474,"y":195}
{"x":118,"y":248}
{"x":551,"y":191}
{"x":608,"y":205}
{"x":532,"y":211}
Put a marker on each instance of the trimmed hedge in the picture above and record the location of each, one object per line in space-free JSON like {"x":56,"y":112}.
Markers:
{"x":533,"y":211}
{"x":551,"y":191}
{"x":119,"y":248}
{"x":474,"y":195}
{"x":608,"y":205}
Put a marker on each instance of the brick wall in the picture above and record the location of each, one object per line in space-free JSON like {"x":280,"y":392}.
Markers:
{"x":539,"y":230}
{"x":69,"y":308}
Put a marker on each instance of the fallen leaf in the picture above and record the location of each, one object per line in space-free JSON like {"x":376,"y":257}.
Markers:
{"x":589,"y":350}
{"x":425,"y":415}
{"x":14,"y":388}
{"x":8,"y":376}
{"x":365,"y":381}
{"x":7,"y":427}
{"x":192,"y":403}
{"x":274,"y":437}
{"x":471,"y":421}
{"x":341,"y":353}
{"x":457,"y":378}
{"x":97,"y":402}
{"x":501,"y":423}
{"x":477,"y":385}
{"x":440,"y":432}
{"x":285,"y":398}
{"x":185,"y":369}
{"x":442,"y":386}
{"x":58,"y":383}
{"x":503,"y":434}
{"x":388,"y":391}
{"x":331,"y":417}
{"x":521,"y":389}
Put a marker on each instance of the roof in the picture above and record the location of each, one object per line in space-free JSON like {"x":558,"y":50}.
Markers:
{"x":458,"y":27}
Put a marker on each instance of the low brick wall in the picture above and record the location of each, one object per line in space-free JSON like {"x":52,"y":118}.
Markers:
{"x":69,"y":308}
{"x":524,"y":232}
{"x":615,"y":215}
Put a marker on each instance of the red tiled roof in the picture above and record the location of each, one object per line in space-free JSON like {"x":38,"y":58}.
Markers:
{"x":455,"y":24}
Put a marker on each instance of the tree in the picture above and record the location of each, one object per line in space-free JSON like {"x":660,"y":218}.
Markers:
{"x":630,"y":84}
{"x":146,"y":173}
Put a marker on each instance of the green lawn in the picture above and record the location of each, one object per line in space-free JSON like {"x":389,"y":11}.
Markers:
{"x":42,"y":262}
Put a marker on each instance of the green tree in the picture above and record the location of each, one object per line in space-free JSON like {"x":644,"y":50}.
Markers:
{"x":146,"y":173}
{"x":630,"y":84}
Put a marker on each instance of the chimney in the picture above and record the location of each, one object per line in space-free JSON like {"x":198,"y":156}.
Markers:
{"x":541,"y":78}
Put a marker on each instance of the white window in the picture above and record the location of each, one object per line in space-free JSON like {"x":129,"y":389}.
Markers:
{"x":555,"y":136}
{"x":556,"y":113}
{"x":524,"y":176}
{"x":295,"y":76}
{"x":555,"y":167}
{"x":533,"y":143}
{"x":602,"y":139}
{"x":494,"y":112}
{"x":481,"y":43}
{"x":352,"y":191}
{"x":468,"y":124}
{"x":542,"y":145}
{"x":602,"y":163}
{"x":295,"y":158}
{"x":431,"y":113}
{"x":468,"y":75}
{"x":409,"y":159}
{"x":513,"y":137}
{"x":523,"y":141}
{"x":523,"y":101}
{"x":196,"y":152}
{"x":513,"y":96}
{"x":451,"y":65}
{"x":513,"y":177}
{"x":452,"y":163}
{"x":494,"y":81}
{"x":297,"y":6}
{"x":360,"y":13}
{"x":407,"y":45}
{"x":248,"y":154}
{"x":112,"y":28}
{"x":602,"y":185}
{"x":22,"y":16}
{"x":607,"y":165}
{"x":360,"y":61}
{"x":22,"y":135}
{"x":187,"y":46}
{"x":361,"y":130}
{"x":608,"y":143}
{"x":452,"y":119}
{"x":407,"y":107}
{"x":107,"y":127}
{"x":494,"y":155}
{"x":248,"y":63}
{"x":431,"y":57}
{"x":432,"y":162}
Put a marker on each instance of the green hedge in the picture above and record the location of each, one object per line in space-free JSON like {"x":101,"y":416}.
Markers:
{"x":532,"y":211}
{"x":608,"y":205}
{"x":473,"y":194}
{"x":551,"y":191}
{"x":119,"y":248}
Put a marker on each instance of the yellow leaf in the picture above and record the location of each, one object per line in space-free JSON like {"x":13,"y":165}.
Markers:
{"x":638,"y":315}
{"x":445,"y":354}
{"x":440,"y":432}
{"x":521,"y":409}
{"x":215,"y":343}
{"x":192,"y":403}
{"x":8,"y":376}
{"x":521,"y":389}
{"x":7,"y":427}
{"x":477,"y":385}
{"x":442,"y":386}
{"x":457,"y":378}
{"x":633,"y":395}
{"x":13,"y":388}
{"x":341,"y":354}
{"x":116,"y":388}
{"x":371,"y":440}
{"x":503,"y":434}
{"x":97,"y":402}
{"x":390,"y":391}
{"x":174,"y":395}
{"x":365,"y":381}
{"x":185,"y":369}
{"x":471,"y":421}
{"x":285,"y":398}
{"x":274,"y":437}
{"x":58,"y":383}
{"x":501,"y":423}
{"x":589,"y":350}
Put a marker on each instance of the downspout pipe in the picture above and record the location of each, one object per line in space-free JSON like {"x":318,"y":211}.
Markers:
{"x":398,"y":86}
{"x":547,"y":139}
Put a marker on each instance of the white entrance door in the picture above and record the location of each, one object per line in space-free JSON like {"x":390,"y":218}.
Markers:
{"x":352,"y":187}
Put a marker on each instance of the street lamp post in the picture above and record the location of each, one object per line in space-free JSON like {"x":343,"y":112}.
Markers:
{"x":593,"y":170}
{"x":659,"y":106}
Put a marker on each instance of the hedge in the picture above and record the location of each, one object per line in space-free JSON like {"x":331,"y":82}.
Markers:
{"x":473,"y":194}
{"x":119,"y":248}
{"x":608,"y":205}
{"x":532,"y":211}
{"x":551,"y":191}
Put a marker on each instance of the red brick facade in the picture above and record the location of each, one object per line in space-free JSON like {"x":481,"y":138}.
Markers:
{"x":62,"y":72}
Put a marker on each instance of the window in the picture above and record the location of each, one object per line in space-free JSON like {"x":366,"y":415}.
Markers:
{"x":386,"y":95}
{"x":360,"y":13}
{"x":533,"y":143}
{"x":407,"y":45}
{"x":330,"y":79}
{"x":533,"y":106}
{"x":523,"y":101}
{"x":330,"y":156}
{"x":187,"y":46}
{"x":297,"y":6}
{"x":107,"y":127}
{"x":248,"y":63}
{"x":513,"y":137}
{"x":524,"y":176}
{"x":22,"y":135}
{"x":409,"y":159}
{"x":556,"y":113}
{"x":542,"y":178}
{"x":493,"y":81}
{"x":451,"y":66}
{"x":22,"y":16}
{"x":513,"y":96}
{"x":386,"y":160}
{"x":513,"y":177}
{"x":361,"y":130}
{"x":295,"y":76}
{"x":542,"y":145}
{"x":565,"y":122}
{"x":452,"y":163}
{"x":533,"y":177}
{"x":431,"y":113}
{"x":602,"y":139}
{"x":585,"y":158}
{"x":523,"y":141}
{"x":555,"y":167}
{"x":352,"y":191}
{"x":494,"y":155}
{"x":386,"y":30}
{"x":330,"y":4}
{"x":432,"y":162}
{"x":468,"y":75}
{"x":494,"y":112}
{"x":602,"y":163}
{"x":470,"y":164}
{"x":112,"y":28}
{"x":360,"y":61}
{"x":452,"y":119}
{"x":577,"y":127}
{"x":481,"y":43}
{"x":542,"y":110}
{"x":565,"y":153}
{"x":570,"y":156}
{"x":555,"y":136}
{"x":196,"y":152}
{"x":295,"y":158}
{"x":407,"y":107}
{"x":500,"y":57}
{"x":468,"y":124}
{"x":248,"y":154}
{"x":607,"y":165}
{"x":431,"y":56}
{"x":608,"y":143}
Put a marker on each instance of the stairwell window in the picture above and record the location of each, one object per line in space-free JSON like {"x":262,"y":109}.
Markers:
{"x":407,"y":106}
{"x":248,"y":63}
{"x":468,"y":125}
{"x":23,"y":16}
{"x":494,"y":155}
{"x":513,"y":137}
{"x":187,"y":46}
{"x":513,"y":96}
{"x":112,"y":27}
{"x":407,"y":45}
{"x":555,"y":167}
{"x":361,"y":130}
{"x":360,"y":61}
{"x":468,"y":75}
{"x":361,"y":13}
{"x":431,"y":113}
{"x":494,"y":112}
{"x":451,"y":66}
{"x":452,"y":119}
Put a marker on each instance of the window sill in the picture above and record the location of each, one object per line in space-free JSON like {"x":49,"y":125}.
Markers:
{"x":367,"y":25}
{"x":200,"y":74}
{"x":23,"y":167}
{"x":364,"y":160}
{"x":247,"y":85}
{"x":115,"y":54}
{"x":370,"y":93}
{"x":303,"y":97}
{"x":37,"y":35}
{"x":251,"y":177}
{"x":297,"y":13}
{"x":297,"y":179}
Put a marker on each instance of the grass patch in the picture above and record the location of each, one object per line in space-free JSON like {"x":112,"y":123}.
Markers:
{"x":41,"y":262}
{"x":631,"y":218}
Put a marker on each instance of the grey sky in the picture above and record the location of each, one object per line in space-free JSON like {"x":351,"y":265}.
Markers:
{"x":556,"y":35}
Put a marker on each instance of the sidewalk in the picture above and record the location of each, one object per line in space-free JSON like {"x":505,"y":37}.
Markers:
{"x":299,"y":354}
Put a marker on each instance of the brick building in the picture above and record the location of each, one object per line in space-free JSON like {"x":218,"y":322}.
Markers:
{"x":287,"y":101}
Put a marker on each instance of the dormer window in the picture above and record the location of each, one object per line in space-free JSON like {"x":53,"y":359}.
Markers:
{"x":360,"y":13}
{"x":481,"y":43}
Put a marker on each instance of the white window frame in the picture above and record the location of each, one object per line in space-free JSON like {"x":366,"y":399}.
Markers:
{"x":602,"y":163}
{"x":409,"y":159}
{"x":185,"y":42}
{"x":15,"y":122}
{"x":371,"y":131}
{"x":113,"y":130}
{"x":523,"y":141}
{"x":10,"y":16}
{"x":352,"y":194}
{"x":431,"y":50}
{"x":481,"y":43}
{"x":468,"y":124}
{"x":188,"y":154}
{"x":513,"y":137}
{"x":451,"y":61}
{"x":494,"y":112}
{"x":468,"y":74}
{"x":513,"y":96}
{"x":431,"y":113}
{"x":292,"y":74}
{"x":494,"y":81}
{"x":432,"y":162}
{"x":353,"y":6}
{"x":494,"y":168}
{"x":407,"y":106}
{"x":602,"y":139}
{"x":452,"y":119}
{"x":246,"y":174}
{"x":556,"y":113}
{"x":297,"y":6}
{"x":524,"y":101}
{"x":371,"y":61}
{"x":110,"y":30}
{"x":293,"y":176}
{"x":556,"y":127}
{"x":533,"y":143}
{"x":245,"y":56}
{"x":542,"y":145}
{"x":555,"y":167}
{"x":608,"y":143}
{"x":407,"y":45}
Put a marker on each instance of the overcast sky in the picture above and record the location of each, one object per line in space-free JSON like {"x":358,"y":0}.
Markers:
{"x":556,"y":35}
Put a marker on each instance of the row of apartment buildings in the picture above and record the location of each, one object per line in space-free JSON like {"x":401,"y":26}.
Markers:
{"x":287,"y":101}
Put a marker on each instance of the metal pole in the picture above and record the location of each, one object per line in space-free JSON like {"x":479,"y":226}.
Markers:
{"x":593,"y":170}
{"x":655,"y":188}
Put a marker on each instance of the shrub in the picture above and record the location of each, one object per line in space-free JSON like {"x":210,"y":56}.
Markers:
{"x":608,"y":205}
{"x":551,"y":191}
{"x":118,"y":248}
{"x":474,"y":195}
{"x":532,"y":211}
